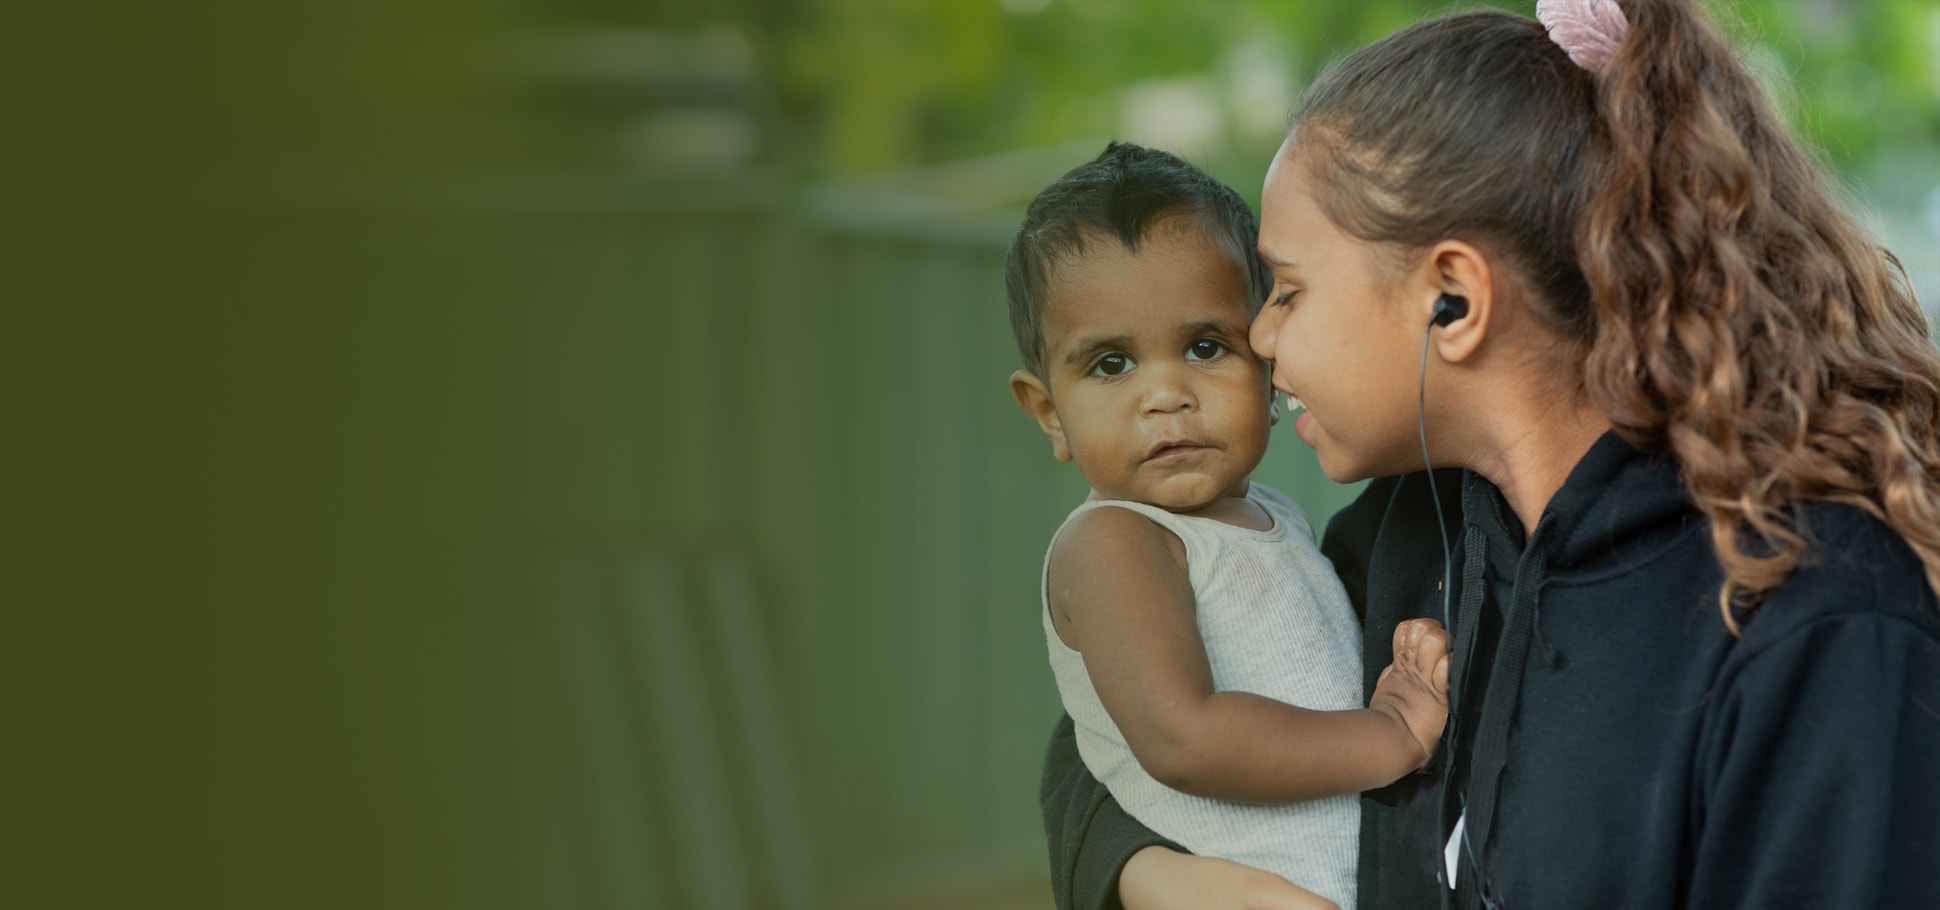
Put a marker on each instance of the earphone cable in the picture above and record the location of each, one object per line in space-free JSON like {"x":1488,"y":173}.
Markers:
{"x":1441,"y":523}
{"x":1448,"y":580}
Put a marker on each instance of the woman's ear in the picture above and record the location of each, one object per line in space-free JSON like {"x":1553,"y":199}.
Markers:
{"x":1459,"y":270}
{"x":1035,"y":398}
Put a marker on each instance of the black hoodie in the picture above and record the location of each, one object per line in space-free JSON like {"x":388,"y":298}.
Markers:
{"x":1615,"y":745}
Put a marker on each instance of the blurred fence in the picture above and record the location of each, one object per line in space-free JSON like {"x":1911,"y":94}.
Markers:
{"x":798,"y":645}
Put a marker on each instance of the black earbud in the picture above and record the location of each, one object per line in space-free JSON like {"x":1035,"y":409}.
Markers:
{"x":1448,"y":308}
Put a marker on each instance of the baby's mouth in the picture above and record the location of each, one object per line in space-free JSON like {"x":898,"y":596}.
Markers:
{"x":1178,"y":449}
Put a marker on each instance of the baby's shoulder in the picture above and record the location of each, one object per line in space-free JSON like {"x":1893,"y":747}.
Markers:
{"x":1112,"y":534}
{"x":1105,"y":558}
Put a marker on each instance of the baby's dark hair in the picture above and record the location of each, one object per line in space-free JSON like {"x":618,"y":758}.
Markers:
{"x":1126,"y":193}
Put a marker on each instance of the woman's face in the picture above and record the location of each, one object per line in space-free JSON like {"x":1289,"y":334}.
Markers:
{"x":1343,"y":330}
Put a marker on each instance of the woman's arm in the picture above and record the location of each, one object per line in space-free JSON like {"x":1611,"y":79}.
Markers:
{"x":1103,"y":859}
{"x":1161,"y":879}
{"x":1090,"y":837}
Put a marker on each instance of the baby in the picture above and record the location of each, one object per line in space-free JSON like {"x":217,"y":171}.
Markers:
{"x":1205,"y":650}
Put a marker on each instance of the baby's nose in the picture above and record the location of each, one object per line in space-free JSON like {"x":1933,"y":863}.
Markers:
{"x":1168,"y":391}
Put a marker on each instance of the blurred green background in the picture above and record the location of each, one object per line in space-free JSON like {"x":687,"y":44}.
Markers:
{"x":557,"y":454}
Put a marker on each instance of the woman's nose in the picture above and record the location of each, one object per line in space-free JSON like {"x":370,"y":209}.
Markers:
{"x":1265,"y":334}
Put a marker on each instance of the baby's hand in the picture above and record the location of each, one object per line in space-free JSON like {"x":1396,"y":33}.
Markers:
{"x":1414,"y":689}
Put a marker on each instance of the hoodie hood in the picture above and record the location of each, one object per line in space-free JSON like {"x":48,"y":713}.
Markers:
{"x":1619,"y":507}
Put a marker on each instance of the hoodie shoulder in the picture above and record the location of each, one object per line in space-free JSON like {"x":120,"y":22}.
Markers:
{"x":1854,"y":568}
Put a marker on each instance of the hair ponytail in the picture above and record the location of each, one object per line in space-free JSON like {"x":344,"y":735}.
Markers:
{"x":1744,"y":323}
{"x":1658,"y":217}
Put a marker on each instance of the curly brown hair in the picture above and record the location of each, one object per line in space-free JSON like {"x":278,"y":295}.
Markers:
{"x":1661,"y":219}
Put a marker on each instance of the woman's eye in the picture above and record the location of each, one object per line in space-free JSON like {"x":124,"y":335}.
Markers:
{"x":1112,"y":365}
{"x":1281,"y":298}
{"x":1204,"y":349}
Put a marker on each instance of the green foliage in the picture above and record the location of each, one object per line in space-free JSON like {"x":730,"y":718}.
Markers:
{"x":1867,"y":74}
{"x":873,"y":84}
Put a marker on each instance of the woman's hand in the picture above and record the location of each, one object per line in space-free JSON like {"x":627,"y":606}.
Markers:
{"x":1157,"y":878}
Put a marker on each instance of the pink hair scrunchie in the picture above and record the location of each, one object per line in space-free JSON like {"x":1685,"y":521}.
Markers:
{"x":1589,"y":30}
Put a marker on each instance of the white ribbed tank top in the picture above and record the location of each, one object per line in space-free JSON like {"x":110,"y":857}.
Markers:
{"x":1275,"y":622}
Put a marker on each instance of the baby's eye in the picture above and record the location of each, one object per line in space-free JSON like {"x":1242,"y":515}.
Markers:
{"x":1204,"y":349}
{"x":1112,"y":365}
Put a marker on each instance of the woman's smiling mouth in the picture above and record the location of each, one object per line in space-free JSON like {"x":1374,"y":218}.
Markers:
{"x":1293,"y":401}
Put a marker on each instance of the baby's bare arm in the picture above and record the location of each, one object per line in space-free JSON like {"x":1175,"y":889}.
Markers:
{"x":1120,"y":594}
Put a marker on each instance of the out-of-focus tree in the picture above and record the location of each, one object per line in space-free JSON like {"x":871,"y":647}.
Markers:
{"x":1864,"y":74}
{"x":885,"y":84}
{"x":862,"y":85}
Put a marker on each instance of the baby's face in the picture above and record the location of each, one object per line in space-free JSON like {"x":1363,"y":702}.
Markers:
{"x":1158,"y":397}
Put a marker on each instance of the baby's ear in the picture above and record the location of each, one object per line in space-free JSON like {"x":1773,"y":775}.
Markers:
{"x":1035,"y":398}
